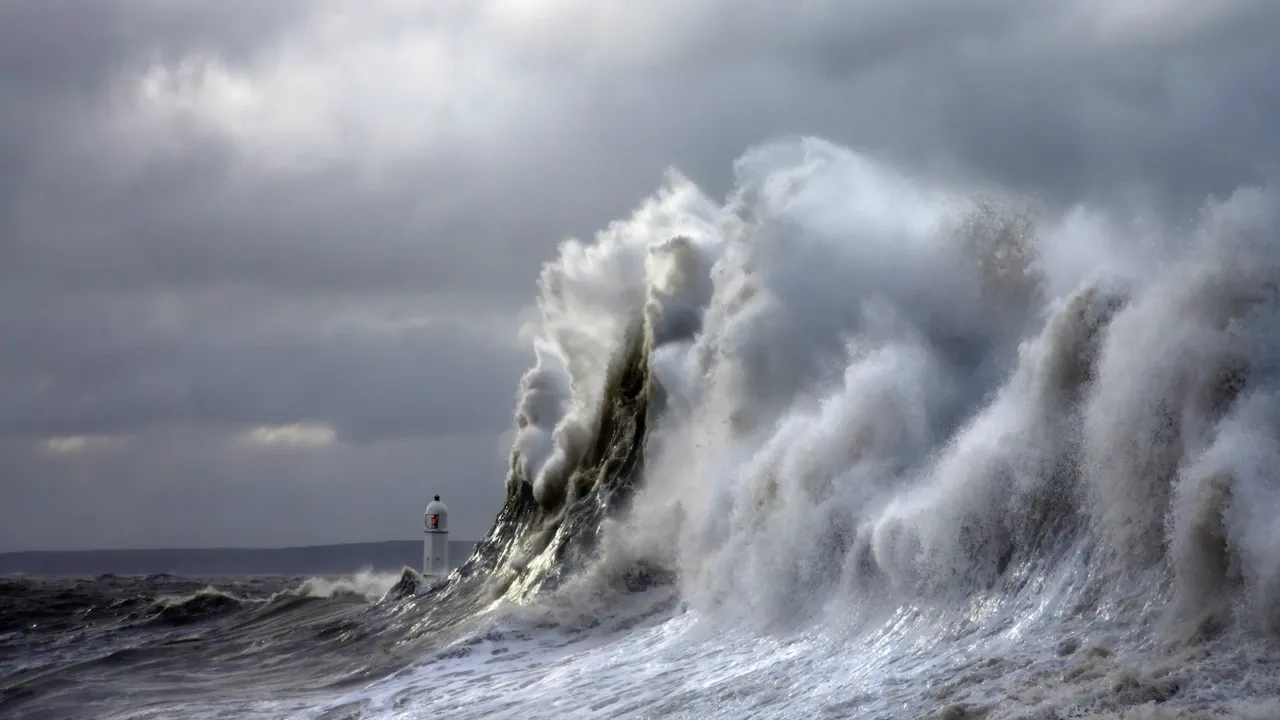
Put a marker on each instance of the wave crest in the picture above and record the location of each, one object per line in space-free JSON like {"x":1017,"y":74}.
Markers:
{"x":844,"y":386}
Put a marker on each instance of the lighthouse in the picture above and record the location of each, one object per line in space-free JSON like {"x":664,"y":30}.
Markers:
{"x":435,"y":545}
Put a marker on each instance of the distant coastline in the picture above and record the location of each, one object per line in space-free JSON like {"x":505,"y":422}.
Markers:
{"x":388,"y":556}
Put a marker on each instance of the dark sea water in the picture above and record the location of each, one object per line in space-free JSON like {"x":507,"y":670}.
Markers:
{"x":81,"y":647}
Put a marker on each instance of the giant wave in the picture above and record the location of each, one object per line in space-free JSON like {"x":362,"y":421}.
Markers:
{"x":848,"y":397}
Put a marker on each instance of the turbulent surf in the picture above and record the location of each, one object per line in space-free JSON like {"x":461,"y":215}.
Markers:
{"x":852,"y":444}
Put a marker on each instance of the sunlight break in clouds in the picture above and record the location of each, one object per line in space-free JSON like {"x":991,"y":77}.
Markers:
{"x":380,"y":82}
{"x":295,"y":435}
{"x":77,"y":444}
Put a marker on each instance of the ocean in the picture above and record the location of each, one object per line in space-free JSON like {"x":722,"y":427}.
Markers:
{"x":846,"y":444}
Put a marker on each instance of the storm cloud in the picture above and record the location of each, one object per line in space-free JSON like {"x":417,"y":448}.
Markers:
{"x":263,"y":265}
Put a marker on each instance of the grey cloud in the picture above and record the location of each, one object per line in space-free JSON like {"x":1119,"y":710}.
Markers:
{"x":180,"y":489}
{"x":122,"y":372}
{"x":994,"y":93}
{"x":58,"y":61}
{"x":1005,"y":94}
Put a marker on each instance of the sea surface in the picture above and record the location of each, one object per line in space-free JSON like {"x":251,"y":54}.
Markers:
{"x":351,"y":647}
{"x":845,"y":444}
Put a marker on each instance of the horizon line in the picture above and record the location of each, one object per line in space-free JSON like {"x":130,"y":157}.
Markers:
{"x":224,"y":548}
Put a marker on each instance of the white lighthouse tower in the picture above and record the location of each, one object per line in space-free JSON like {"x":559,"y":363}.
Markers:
{"x":435,"y":545}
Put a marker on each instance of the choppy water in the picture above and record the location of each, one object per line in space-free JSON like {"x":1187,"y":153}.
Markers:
{"x":167,"y":647}
{"x":96,"y":647}
{"x":846,"y":444}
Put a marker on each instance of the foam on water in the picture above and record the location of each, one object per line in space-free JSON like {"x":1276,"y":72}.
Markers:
{"x":691,"y":666}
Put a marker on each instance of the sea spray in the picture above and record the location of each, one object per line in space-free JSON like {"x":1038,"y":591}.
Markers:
{"x":854,"y":382}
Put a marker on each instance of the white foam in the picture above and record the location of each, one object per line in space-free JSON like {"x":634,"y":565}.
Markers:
{"x":365,"y":583}
{"x":894,"y":400}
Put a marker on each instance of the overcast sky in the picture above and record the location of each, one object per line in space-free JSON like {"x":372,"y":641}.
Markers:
{"x":262,"y":263}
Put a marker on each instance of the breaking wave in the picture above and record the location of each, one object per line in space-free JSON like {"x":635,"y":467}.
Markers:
{"x":364,"y":585}
{"x":843,"y":390}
